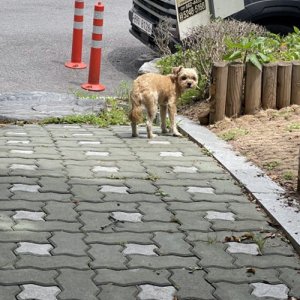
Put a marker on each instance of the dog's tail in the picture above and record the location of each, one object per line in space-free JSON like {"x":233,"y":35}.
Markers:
{"x":136,"y":112}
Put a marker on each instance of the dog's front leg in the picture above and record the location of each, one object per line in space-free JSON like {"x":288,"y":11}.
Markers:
{"x":172,"y":114}
{"x":163,"y":117}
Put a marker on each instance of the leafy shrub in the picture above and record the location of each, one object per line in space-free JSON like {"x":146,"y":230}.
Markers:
{"x":205,"y":45}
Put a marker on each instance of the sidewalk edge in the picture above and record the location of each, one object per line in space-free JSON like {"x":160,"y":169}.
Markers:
{"x":268,"y":193}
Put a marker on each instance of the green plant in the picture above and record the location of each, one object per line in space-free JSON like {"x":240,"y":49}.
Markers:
{"x":152,"y":177}
{"x":288,"y":175}
{"x":114,"y":114}
{"x":271,"y":165}
{"x":233,"y":134}
{"x":260,"y":241}
{"x":122,"y":92}
{"x":257,"y":50}
{"x":81,"y":94}
{"x":293,"y":127}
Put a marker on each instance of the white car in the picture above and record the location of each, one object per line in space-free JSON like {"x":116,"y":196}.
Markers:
{"x":278,"y":16}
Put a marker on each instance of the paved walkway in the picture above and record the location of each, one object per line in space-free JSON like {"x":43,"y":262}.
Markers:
{"x":89,"y":213}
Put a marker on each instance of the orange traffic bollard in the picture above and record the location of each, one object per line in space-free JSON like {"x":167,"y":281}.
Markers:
{"x":76,"y":57}
{"x":93,"y":83}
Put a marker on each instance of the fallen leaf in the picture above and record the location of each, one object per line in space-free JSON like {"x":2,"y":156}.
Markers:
{"x":251,"y":270}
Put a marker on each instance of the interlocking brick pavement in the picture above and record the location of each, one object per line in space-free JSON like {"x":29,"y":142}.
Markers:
{"x":89,"y":213}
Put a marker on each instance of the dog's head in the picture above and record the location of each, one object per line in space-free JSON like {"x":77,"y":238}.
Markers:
{"x":186,"y":78}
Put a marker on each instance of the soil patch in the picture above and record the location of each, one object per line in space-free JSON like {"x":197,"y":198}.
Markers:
{"x":270,"y":139}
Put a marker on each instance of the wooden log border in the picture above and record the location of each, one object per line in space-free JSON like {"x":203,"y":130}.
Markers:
{"x":238,"y":89}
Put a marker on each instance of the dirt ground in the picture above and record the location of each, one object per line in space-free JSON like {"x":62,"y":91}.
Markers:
{"x":270,"y":139}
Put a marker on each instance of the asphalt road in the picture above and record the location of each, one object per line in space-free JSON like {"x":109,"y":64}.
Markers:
{"x":35,"y":42}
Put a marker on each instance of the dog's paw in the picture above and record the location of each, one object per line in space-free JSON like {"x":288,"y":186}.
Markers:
{"x":178,"y":134}
{"x":151,"y":136}
{"x":135,"y":135}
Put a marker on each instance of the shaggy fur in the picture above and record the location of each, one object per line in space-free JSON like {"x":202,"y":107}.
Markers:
{"x":150,"y":90}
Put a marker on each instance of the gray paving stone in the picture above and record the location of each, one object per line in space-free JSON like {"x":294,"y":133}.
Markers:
{"x":226,"y":187}
{"x":198,"y":206}
{"x":6,"y":222}
{"x":96,"y":221}
{"x":247,"y":226}
{"x":77,"y":285}
{"x":33,"y":291}
{"x":292,"y":279}
{"x":172,"y":244}
{"x":20,"y":181}
{"x":149,"y":292}
{"x":157,"y":212}
{"x":53,"y":262}
{"x":132,"y":198}
{"x":79,"y":171}
{"x":246,"y":211}
{"x":147,"y":227}
{"x":172,"y":193}
{"x":107,"y":207}
{"x":60,"y":211}
{"x":56,"y":185}
{"x":132,"y":276}
{"x":113,"y":292}
{"x":240,"y":275}
{"x":26,"y":276}
{"x":192,"y":285}
{"x":279,"y":291}
{"x":179,"y":169}
{"x":201,"y":190}
{"x":47,"y":226}
{"x":87,"y":193}
{"x":41,"y":196}
{"x":9,"y":292}
{"x":205,"y":251}
{"x":107,"y":256}
{"x":267,"y":261}
{"x":23,"y":167}
{"x":192,"y":220}
{"x":68,"y":243}
{"x":228,"y":291}
{"x":161,"y":262}
{"x":5,"y":191}
{"x":7,"y":257}
{"x":140,"y":186}
{"x":220,"y":198}
{"x":120,"y":238}
{"x":25,"y":236}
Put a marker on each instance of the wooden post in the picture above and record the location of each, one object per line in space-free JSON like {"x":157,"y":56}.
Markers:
{"x":269,"y":86}
{"x":234,"y":89}
{"x":284,"y":84}
{"x":218,"y":91}
{"x":252,"y":89}
{"x":295,"y":97}
{"x":298,"y":184}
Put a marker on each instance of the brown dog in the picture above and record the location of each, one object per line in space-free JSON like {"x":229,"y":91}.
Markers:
{"x":150,"y":90}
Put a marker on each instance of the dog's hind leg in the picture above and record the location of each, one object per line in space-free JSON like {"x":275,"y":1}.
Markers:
{"x":151,"y":114}
{"x":172,"y":113}
{"x":135,"y":114}
{"x":163,"y":117}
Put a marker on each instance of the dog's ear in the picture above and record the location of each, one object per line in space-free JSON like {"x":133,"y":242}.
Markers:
{"x":176,"y":70}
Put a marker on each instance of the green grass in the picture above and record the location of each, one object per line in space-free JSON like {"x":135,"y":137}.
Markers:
{"x":114,"y":114}
{"x":233,"y":134}
{"x":271,"y":165}
{"x":288,"y":175}
{"x":293,"y":127}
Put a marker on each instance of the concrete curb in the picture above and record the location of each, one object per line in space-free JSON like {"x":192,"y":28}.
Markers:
{"x":263,"y":189}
